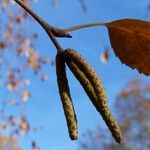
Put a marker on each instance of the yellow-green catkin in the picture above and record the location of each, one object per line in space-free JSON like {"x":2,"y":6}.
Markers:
{"x":66,"y":97}
{"x":93,"y":87}
{"x":89,"y":73}
{"x":83,"y":81}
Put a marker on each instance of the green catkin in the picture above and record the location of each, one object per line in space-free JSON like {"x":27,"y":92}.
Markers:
{"x":83,"y":81}
{"x":90,"y":74}
{"x":87,"y":78}
{"x":66,"y":97}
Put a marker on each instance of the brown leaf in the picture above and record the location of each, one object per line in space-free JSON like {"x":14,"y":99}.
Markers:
{"x":130,"y":39}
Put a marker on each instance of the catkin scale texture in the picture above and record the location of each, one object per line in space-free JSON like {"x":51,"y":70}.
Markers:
{"x":66,"y":97}
{"x":87,"y":78}
{"x":90,"y":74}
{"x":83,"y":81}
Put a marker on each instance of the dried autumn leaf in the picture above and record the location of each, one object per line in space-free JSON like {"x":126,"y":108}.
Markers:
{"x":130,"y":39}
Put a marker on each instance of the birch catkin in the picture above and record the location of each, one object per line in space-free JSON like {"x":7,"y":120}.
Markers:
{"x":89,"y":73}
{"x":66,"y":97}
{"x":93,"y":87}
{"x":83,"y":81}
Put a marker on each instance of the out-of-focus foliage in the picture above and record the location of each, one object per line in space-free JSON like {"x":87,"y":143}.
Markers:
{"x":9,"y":143}
{"x":133,"y":110}
{"x":18,"y":55}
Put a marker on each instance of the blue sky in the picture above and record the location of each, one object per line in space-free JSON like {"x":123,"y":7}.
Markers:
{"x":44,"y":107}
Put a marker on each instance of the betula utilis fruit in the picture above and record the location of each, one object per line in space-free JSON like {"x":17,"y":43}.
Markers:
{"x":93,"y":87}
{"x":66,"y":100}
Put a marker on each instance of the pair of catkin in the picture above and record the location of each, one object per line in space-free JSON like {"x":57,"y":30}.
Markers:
{"x":92,"y":86}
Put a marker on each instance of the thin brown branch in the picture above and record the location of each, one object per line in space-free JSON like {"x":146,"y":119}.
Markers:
{"x":35,"y":16}
{"x":56,"y":32}
{"x":55,"y":42}
{"x":50,"y":30}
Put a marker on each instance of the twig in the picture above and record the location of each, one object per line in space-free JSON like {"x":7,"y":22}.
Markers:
{"x":50,"y":30}
{"x":74,"y":28}
{"x":36,"y":17}
{"x":56,"y":32}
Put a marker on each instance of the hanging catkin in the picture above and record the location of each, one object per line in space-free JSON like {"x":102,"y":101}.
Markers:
{"x":66,"y":97}
{"x":89,"y":73}
{"x":93,"y":87}
{"x":83,"y":81}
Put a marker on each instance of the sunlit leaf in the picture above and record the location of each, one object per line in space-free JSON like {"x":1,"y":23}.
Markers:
{"x":130,"y":39}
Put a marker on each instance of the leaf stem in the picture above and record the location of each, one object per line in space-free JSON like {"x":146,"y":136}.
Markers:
{"x":74,"y":28}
